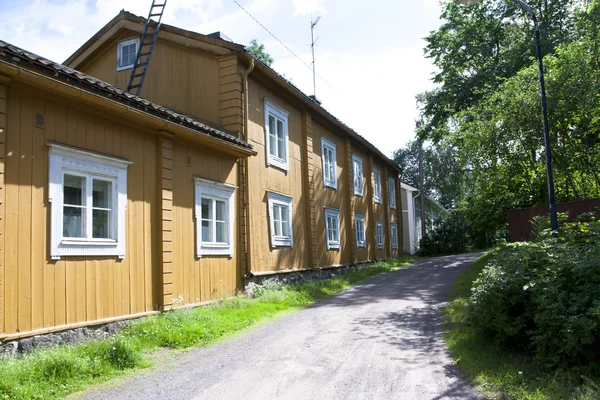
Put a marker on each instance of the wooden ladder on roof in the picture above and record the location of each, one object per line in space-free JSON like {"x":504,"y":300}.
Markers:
{"x":144,"y":52}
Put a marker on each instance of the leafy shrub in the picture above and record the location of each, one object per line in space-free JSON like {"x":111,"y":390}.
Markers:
{"x":544,"y":297}
{"x":450,"y":235}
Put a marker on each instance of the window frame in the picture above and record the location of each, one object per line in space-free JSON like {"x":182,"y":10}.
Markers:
{"x":360,"y":218}
{"x":281,"y":200}
{"x":125,"y":42}
{"x":328,"y":144}
{"x":376,"y":185}
{"x":356,"y":159}
{"x":214,"y":191}
{"x":379,"y":228}
{"x":392,"y":192}
{"x":394,"y":235}
{"x":332,"y":213}
{"x":66,"y":160}
{"x":273,"y":109}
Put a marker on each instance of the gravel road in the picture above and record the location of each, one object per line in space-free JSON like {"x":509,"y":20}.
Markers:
{"x":378,"y":340}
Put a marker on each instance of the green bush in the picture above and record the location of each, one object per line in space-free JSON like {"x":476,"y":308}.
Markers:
{"x":450,"y":235}
{"x":544,"y":297}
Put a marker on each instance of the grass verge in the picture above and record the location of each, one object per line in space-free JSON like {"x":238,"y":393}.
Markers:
{"x":497,"y":373}
{"x":56,"y":372}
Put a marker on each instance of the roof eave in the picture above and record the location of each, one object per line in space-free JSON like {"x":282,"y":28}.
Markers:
{"x":307,"y":101}
{"x":83,"y":96}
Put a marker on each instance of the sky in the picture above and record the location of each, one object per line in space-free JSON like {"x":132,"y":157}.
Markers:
{"x":369,"y":54}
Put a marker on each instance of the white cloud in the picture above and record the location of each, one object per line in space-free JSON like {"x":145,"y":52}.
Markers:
{"x":303,"y":7}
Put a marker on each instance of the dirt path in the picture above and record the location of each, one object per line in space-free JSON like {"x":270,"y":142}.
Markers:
{"x":378,"y":340}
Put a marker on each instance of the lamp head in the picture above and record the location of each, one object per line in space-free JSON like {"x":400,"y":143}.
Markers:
{"x":469,"y":2}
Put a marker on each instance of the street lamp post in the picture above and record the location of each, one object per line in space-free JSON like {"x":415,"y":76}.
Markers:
{"x":538,"y":48}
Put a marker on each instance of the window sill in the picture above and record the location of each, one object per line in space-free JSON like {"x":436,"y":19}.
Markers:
{"x":332,"y":185}
{"x":377,"y":201}
{"x":278,"y":163}
{"x":124,"y":68}
{"x":333,"y":246}
{"x":96,"y":242}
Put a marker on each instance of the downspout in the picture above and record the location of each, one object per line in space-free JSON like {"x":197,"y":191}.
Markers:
{"x":245,"y":162}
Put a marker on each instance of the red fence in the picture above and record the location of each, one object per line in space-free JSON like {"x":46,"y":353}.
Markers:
{"x":519,"y":221}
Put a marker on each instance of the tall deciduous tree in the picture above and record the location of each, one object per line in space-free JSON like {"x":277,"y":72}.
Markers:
{"x":258,"y":51}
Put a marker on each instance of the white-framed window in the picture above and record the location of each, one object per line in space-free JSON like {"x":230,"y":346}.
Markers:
{"x":328,"y":153}
{"x":276,"y":131}
{"x":126,"y":53}
{"x":332,"y":228}
{"x":88,"y":196}
{"x":379,"y":233}
{"x":280,"y":215}
{"x":394,"y":235}
{"x":359,"y":227}
{"x":357,"y":170}
{"x":376,"y":185}
{"x":214,"y":215}
{"x":392,"y":192}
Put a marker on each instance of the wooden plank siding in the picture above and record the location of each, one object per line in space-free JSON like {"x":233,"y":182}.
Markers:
{"x":310,"y":170}
{"x":197,"y":280}
{"x":265,"y":178}
{"x":38,"y":292}
{"x":3,"y":102}
{"x":331,"y":198}
{"x":380,"y":211}
{"x":180,"y":78}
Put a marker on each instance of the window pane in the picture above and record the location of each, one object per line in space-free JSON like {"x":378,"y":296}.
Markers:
{"x":281,"y":148}
{"x":277,"y":220}
{"x":101,"y":194}
{"x":206,"y":231}
{"x":74,"y":190}
{"x":285,"y":223}
{"x":220,"y":210}
{"x":221,"y":236}
{"x":101,"y":224}
{"x":272,"y":136}
{"x":206,"y":209}
{"x":73,"y":222}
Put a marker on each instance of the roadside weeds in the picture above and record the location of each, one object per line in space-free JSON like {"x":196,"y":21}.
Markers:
{"x":56,"y":372}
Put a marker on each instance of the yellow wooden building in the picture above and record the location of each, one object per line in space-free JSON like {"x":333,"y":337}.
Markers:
{"x":95,"y":185}
{"x":157,"y":208}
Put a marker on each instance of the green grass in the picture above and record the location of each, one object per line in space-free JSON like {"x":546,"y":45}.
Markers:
{"x":56,"y":372}
{"x":497,"y":373}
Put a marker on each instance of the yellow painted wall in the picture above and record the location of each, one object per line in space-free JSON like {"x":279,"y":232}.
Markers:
{"x":263,"y":178}
{"x":40,"y":292}
{"x":328,"y":197}
{"x":180,"y":78}
{"x":198,"y":280}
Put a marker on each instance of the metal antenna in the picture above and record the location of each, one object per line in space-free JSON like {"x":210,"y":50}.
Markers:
{"x":312,"y":45}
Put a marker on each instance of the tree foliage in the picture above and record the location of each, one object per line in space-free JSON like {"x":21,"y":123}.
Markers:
{"x":257,"y":50}
{"x":487,"y":107}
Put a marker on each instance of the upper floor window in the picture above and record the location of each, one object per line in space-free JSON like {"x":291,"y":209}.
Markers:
{"x":332,"y":226}
{"x":276,"y":128}
{"x":126,"y":53}
{"x":379,"y":233}
{"x":214,"y":214}
{"x":394,"y":234}
{"x":357,"y":169}
{"x":280,"y":215}
{"x":376,"y":185}
{"x":359,"y":226}
{"x":392,"y":192}
{"x":88,"y":192}
{"x":329,"y":163}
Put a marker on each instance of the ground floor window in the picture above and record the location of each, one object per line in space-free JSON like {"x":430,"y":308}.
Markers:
{"x":214,"y":214}
{"x":379,"y":233}
{"x":332,"y":226}
{"x":280,"y":215}
{"x":394,"y":234}
{"x":88,"y":195}
{"x":359,"y":227}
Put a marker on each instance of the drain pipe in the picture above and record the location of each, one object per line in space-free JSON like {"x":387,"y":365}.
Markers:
{"x":245,"y":162}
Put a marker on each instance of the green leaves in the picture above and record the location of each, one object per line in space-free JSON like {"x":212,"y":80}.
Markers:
{"x":258,"y":51}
